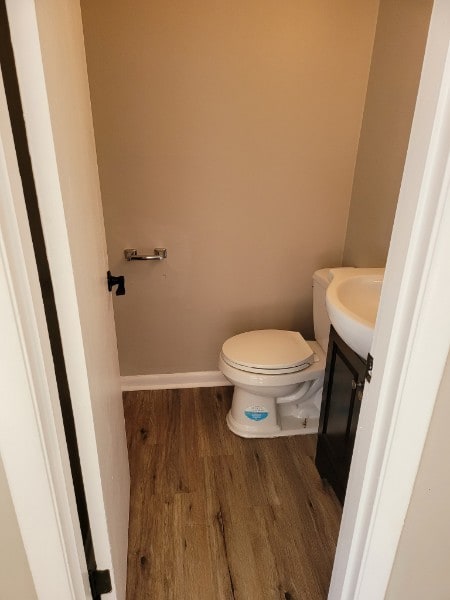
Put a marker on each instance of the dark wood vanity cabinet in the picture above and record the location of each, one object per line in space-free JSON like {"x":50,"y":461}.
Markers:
{"x":341,"y":402}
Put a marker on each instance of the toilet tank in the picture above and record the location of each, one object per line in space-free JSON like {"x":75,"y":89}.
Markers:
{"x":320,"y":314}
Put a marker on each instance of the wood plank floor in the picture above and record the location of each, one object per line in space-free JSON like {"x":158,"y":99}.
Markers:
{"x":217,"y":517}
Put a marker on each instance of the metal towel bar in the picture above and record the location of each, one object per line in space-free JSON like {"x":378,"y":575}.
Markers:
{"x":131,"y":254}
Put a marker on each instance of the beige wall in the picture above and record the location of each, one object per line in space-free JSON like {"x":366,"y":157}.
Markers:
{"x":227,"y":132}
{"x":391,"y":96}
{"x":421,"y":567}
{"x":15,"y":575}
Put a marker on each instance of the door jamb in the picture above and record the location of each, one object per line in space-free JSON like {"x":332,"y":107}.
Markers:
{"x":410,"y":346}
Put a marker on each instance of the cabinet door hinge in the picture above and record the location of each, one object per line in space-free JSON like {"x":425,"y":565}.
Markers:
{"x":369,"y":367}
{"x":100,"y":583}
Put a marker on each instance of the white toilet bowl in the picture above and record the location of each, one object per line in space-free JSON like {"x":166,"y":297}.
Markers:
{"x":278,"y":379}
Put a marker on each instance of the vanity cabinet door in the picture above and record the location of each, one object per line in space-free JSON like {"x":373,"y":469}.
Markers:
{"x":341,"y":402}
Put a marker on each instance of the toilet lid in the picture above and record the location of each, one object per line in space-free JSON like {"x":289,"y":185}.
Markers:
{"x":268,"y":349}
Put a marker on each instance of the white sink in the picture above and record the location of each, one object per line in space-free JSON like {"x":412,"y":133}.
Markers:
{"x":352,"y":304}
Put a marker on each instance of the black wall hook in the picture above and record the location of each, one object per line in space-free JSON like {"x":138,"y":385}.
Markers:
{"x":119,"y":281}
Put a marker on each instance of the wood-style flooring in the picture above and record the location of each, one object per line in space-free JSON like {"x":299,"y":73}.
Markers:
{"x":217,"y":517}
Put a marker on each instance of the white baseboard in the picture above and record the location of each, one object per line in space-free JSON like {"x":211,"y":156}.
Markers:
{"x":168,"y":381}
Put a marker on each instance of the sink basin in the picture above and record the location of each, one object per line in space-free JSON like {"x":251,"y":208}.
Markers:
{"x":352,"y":303}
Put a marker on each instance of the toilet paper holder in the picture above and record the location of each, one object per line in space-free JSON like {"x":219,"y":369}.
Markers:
{"x":131,"y":254}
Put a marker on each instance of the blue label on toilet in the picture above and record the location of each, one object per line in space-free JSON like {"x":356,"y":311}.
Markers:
{"x":256,"y":413}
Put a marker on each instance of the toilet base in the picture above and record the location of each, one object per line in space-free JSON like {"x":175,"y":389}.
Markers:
{"x":255,"y":416}
{"x":289,"y":426}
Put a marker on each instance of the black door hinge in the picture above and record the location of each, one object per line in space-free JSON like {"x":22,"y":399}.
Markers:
{"x":100,"y":583}
{"x":369,"y":367}
{"x":118,"y":280}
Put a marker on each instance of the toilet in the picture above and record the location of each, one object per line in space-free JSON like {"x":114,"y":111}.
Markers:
{"x":278,"y":376}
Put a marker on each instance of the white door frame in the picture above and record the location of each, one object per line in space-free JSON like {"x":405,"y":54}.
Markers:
{"x":411,"y":342}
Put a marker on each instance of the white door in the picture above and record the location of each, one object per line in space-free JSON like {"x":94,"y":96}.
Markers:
{"x":48,"y":46}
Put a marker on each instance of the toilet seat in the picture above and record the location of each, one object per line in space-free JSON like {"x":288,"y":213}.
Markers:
{"x":268,"y":351}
